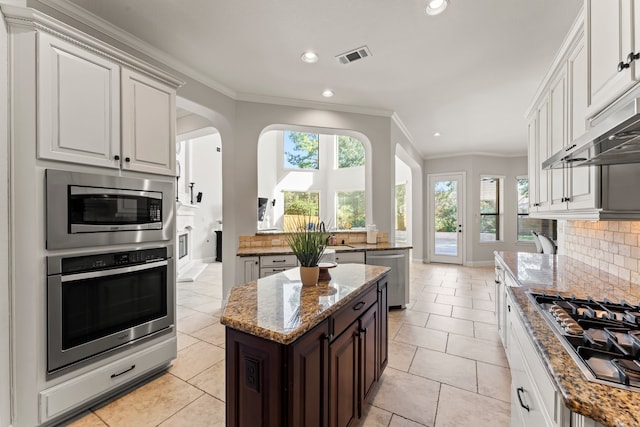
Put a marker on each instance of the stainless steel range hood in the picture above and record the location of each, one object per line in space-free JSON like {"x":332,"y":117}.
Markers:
{"x":614,"y":140}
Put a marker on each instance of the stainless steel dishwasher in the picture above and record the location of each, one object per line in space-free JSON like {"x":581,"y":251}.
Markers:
{"x":397,"y":286}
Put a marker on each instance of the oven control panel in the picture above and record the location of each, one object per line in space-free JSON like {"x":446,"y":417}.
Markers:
{"x":112,"y":260}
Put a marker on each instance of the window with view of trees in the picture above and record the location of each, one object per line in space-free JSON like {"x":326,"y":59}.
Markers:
{"x":299,"y":205}
{"x":350,"y":209}
{"x":350,"y":152}
{"x":490,"y":209}
{"x":301,"y":150}
{"x":526,"y":224}
{"x":401,"y":213}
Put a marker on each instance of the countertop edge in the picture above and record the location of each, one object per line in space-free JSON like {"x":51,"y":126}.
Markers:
{"x":285,"y":250}
{"x":597,"y":401}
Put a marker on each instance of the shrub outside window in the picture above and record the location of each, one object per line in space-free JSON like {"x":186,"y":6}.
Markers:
{"x":299,"y":205}
{"x":350,"y":210}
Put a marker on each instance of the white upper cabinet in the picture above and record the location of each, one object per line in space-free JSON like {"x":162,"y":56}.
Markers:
{"x":78,"y":104}
{"x":557,"y":135}
{"x":95,"y":110}
{"x":148,"y":124}
{"x":612,"y":61}
{"x":533,"y":163}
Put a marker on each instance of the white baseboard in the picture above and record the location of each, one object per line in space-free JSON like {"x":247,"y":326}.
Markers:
{"x":191,"y":272}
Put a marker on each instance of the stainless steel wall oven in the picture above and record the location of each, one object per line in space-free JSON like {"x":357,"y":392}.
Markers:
{"x":94,"y":210}
{"x":98,"y":303}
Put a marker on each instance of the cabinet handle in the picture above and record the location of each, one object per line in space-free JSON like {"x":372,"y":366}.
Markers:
{"x":622,"y":65}
{"x":358,"y":306}
{"x":127,"y":159}
{"x":571,"y":147}
{"x":519,"y":390}
{"x":497,"y":281}
{"x":632,"y":57}
{"x":116,"y":157}
{"x":328,"y":337}
{"x":123,"y":372}
{"x":365,"y":330}
{"x":509,"y":308}
{"x":279,"y":260}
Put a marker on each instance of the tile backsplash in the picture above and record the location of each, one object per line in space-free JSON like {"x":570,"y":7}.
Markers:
{"x":278,"y":239}
{"x":611,"y":246}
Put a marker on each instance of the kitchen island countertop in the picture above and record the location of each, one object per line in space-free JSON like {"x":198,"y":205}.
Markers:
{"x":610,"y":406}
{"x":278,"y":308}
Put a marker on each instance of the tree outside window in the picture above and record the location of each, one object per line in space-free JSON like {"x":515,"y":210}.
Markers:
{"x":401,"y":213}
{"x":298,"y":206}
{"x":490,"y":209}
{"x":301,"y":150}
{"x":350,"y":209}
{"x":350,"y":152}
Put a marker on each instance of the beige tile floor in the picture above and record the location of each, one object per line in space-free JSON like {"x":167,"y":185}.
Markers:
{"x":446,"y":365}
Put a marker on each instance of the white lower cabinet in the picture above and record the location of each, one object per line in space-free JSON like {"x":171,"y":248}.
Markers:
{"x":350,"y":257}
{"x":535,"y":401}
{"x":82,"y":390}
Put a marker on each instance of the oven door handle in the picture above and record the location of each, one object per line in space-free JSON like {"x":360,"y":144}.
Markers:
{"x":90,"y":191}
{"x":113,"y":272}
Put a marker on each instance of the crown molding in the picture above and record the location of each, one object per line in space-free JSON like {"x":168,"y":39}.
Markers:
{"x":474,"y":153}
{"x":301,"y":103}
{"x":105,"y":27}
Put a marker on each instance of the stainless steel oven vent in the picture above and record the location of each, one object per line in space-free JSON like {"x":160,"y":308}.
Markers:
{"x":353,"y":55}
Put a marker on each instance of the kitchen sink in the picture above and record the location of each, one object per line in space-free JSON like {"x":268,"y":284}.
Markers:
{"x":339,"y":247}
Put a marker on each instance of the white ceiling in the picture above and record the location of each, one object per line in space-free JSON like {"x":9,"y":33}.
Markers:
{"x":469,"y":73}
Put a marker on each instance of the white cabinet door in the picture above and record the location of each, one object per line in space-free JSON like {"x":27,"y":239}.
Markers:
{"x":543,"y":154}
{"x":350,"y":257}
{"x":533,"y":164}
{"x":557,"y":136}
{"x":78,"y":104}
{"x":148,"y":124}
{"x":248,"y":269}
{"x":582,"y":190}
{"x":609,"y":41}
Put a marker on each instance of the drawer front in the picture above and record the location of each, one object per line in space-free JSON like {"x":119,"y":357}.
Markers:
{"x":356,"y":308}
{"x":264,"y":272}
{"x":350,"y":257}
{"x":278,"y":261}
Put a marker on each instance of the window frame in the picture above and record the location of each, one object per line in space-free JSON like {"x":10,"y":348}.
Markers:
{"x":499,"y":209}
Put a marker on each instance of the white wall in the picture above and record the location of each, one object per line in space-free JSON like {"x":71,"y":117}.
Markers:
{"x":5,"y":278}
{"x":206,"y":173}
{"x":510,"y":167}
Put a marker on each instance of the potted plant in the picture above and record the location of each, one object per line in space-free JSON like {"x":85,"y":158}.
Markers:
{"x":307,"y":242}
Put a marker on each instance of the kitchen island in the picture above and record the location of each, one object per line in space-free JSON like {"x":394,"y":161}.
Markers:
{"x":305,"y":355}
{"x":570,"y":398}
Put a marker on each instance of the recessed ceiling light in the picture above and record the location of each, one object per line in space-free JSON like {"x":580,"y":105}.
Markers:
{"x":309,"y":57}
{"x":436,"y":134}
{"x":328,"y":93}
{"x":436,"y":7}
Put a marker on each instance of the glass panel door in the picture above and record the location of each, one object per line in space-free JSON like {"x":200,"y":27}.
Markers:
{"x":446,"y":194}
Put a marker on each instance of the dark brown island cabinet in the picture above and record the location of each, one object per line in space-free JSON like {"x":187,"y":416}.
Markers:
{"x":325,"y":375}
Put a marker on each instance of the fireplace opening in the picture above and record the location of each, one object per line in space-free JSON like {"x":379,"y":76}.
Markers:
{"x":183,"y":245}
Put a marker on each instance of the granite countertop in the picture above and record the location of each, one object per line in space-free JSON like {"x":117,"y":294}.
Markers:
{"x":610,"y":406}
{"x":351,"y":247}
{"x":279,"y":309}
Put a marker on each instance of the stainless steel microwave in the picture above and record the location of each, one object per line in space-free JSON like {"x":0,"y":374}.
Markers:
{"x":95,"y":210}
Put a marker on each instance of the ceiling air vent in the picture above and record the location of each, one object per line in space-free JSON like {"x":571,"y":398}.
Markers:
{"x":353,"y":55}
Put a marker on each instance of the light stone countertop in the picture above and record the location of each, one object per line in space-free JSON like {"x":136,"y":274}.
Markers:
{"x":280,"y":309}
{"x":610,"y":406}
{"x":351,"y":247}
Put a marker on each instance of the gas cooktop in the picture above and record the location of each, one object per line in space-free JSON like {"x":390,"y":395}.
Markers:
{"x":603,"y":337}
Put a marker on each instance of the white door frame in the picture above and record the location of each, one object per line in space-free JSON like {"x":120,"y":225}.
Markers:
{"x":461,"y":256}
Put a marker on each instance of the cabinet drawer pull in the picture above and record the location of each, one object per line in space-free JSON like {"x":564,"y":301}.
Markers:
{"x":279,"y":260}
{"x":521,"y":390}
{"x":123,"y":372}
{"x":571,"y":147}
{"x":359,"y":305}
